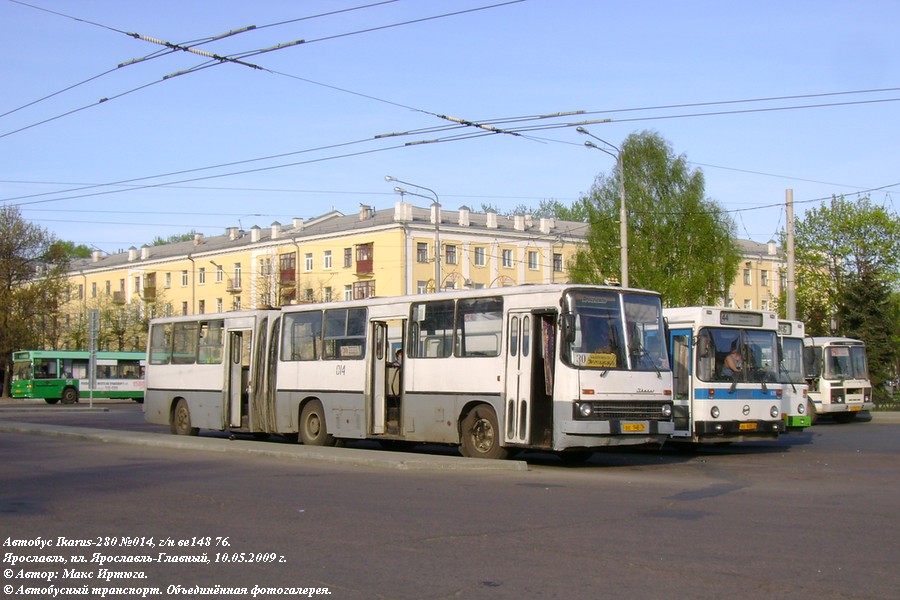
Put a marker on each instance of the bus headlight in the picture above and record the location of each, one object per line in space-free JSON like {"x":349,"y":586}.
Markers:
{"x":667,"y":410}
{"x":801,"y":409}
{"x":714,"y":412}
{"x":585,"y":410}
{"x":774,"y":412}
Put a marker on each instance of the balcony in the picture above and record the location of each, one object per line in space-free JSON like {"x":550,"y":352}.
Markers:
{"x":233,"y":285}
{"x":148,"y":294}
{"x":119,"y":297}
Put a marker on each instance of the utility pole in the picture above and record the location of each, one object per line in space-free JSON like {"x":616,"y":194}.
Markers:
{"x":790,"y":287}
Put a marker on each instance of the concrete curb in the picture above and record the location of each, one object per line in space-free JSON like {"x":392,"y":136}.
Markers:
{"x":346,"y":456}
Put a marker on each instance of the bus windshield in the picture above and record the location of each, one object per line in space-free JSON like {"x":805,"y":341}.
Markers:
{"x":846,"y":362}
{"x":792,"y":360}
{"x":615,"y":331}
{"x":743,"y":355}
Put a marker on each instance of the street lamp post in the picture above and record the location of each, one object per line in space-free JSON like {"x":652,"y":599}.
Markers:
{"x":623,"y":216}
{"x":436,"y":203}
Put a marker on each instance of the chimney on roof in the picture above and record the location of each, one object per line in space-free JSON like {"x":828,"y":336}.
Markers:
{"x":366,"y":212}
{"x":464,"y":216}
{"x":491,"y":219}
{"x":145,"y":252}
{"x":198,"y":239}
{"x":254,"y":234}
{"x":436,"y":213}
{"x":132,"y":254}
{"x":519,"y":222}
{"x":298,"y":223}
{"x":772,"y":248}
{"x":96,"y":255}
{"x":402,"y":211}
{"x":276,"y":230}
{"x":232,"y":233}
{"x":547,"y":223}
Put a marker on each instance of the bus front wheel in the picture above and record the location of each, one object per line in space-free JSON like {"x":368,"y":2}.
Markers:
{"x":480,"y":435}
{"x":69,"y":396}
{"x":51,"y":400}
{"x":181,"y":420}
{"x":313,"y":431}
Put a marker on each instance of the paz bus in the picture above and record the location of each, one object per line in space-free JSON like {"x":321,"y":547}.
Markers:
{"x":715,"y":402}
{"x":837,"y":371}
{"x":796,"y":410}
{"x":560,"y":368}
{"x":56,"y":375}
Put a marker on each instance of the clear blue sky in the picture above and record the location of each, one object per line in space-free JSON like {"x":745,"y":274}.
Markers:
{"x":320,"y":105}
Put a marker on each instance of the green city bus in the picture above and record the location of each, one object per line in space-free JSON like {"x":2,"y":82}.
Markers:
{"x":56,"y":375}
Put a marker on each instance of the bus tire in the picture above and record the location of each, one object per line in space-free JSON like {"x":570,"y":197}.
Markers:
{"x":181,"y":420}
{"x":51,"y":400}
{"x":480,"y":434}
{"x":69,"y":395}
{"x":313,"y":431}
{"x":844,"y":417}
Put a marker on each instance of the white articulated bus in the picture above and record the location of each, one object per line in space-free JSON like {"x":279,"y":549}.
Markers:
{"x":837,"y":371}
{"x":717,"y":398}
{"x":796,"y":409}
{"x":562,"y":368}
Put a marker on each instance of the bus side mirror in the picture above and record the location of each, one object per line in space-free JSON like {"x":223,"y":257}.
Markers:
{"x":567,"y":322}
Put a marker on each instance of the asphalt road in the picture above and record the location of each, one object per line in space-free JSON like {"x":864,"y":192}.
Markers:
{"x":808,"y":516}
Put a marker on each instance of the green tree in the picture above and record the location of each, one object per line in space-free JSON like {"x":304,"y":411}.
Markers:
{"x":33,"y":284}
{"x":174,"y":238}
{"x":679,"y":242}
{"x":836,"y":243}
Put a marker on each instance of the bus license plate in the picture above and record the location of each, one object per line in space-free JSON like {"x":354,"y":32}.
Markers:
{"x":747,"y":427}
{"x":634,"y":427}
{"x":855,"y":408}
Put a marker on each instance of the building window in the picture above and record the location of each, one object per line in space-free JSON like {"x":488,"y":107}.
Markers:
{"x":184,"y":279}
{"x":348,"y":258}
{"x":168,"y":281}
{"x":748,"y":304}
{"x":184,"y":308}
{"x":309,"y":295}
{"x":421,"y":287}
{"x":348,"y":292}
{"x":219,"y":305}
{"x":121,"y":285}
{"x":201,"y":275}
{"x":532,"y":260}
{"x":747,"y":278}
{"x":421,"y":252}
{"x":137,"y":284}
{"x":237,"y":277}
{"x":479,"y":256}
{"x":109,"y":287}
{"x":765,"y":305}
{"x":327,"y":294}
{"x":764,"y":278}
{"x":363,"y":290}
{"x":507,"y":259}
{"x":236,"y":303}
{"x":326,"y":258}
{"x":220,"y":275}
{"x":287,"y":265}
{"x":308,"y":261}
{"x":201,"y":306}
{"x":365,"y":258}
{"x":557,"y":262}
{"x":93,"y":289}
{"x":450,"y":254}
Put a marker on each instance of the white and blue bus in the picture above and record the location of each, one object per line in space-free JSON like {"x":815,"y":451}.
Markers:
{"x":796,"y":410}
{"x":717,"y":400}
{"x":560,"y":368}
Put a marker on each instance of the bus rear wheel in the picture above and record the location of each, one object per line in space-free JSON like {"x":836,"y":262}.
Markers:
{"x":313,"y":431}
{"x":480,"y":435}
{"x":51,"y":400}
{"x":181,"y":420}
{"x":69,"y":396}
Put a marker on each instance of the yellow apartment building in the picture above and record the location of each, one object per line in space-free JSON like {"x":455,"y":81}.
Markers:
{"x":761,"y":277}
{"x":385,"y":252}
